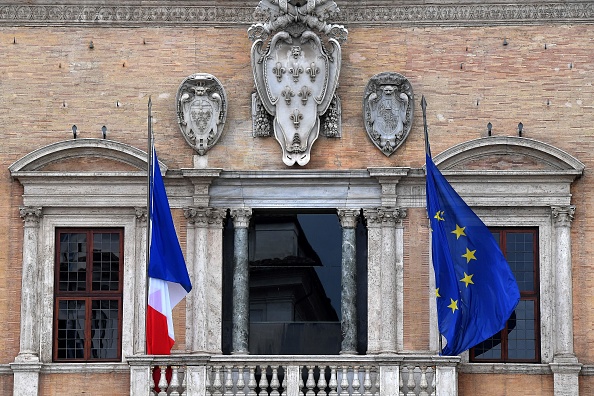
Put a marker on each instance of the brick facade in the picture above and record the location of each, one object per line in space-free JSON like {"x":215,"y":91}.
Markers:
{"x":543,"y":77}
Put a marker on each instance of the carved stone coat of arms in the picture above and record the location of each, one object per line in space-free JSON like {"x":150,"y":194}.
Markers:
{"x":201,"y":110}
{"x":296,"y":73}
{"x":388,"y":105}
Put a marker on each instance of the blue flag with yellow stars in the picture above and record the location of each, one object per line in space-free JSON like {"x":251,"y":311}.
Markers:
{"x":476,"y":290}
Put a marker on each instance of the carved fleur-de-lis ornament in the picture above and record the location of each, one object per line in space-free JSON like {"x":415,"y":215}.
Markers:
{"x":288,"y":94}
{"x":312,"y":71}
{"x":278,"y":71}
{"x":296,"y":117}
{"x":304,"y":94}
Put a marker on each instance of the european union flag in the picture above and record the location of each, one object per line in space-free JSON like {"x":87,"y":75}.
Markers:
{"x":475,"y":288}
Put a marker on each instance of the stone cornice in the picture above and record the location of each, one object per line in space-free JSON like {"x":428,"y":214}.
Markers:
{"x":180,"y":13}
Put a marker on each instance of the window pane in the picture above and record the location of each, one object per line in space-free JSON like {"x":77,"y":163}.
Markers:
{"x":521,"y":337}
{"x":73,"y":262}
{"x":106,"y":261}
{"x":71,"y":329}
{"x":489,"y":349}
{"x":519,"y":252}
{"x":104,"y":329}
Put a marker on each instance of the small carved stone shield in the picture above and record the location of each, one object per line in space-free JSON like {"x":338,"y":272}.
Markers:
{"x":201,"y":110}
{"x":388,"y":105}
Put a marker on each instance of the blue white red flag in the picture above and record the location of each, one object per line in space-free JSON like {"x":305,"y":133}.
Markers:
{"x":169,"y":281}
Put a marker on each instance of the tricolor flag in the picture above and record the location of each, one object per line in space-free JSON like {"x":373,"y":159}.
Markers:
{"x":168,"y":276}
{"x":476,"y":290}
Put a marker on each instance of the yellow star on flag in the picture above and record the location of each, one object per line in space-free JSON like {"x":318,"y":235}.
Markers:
{"x":469,"y":255}
{"x":467,"y":279}
{"x":439,"y":215}
{"x":453,"y":305}
{"x":459,"y":231}
{"x":437,"y":293}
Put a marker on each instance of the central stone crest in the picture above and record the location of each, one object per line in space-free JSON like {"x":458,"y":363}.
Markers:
{"x":296,"y":73}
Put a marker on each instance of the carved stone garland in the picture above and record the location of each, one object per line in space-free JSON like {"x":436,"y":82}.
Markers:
{"x":201,"y":110}
{"x":296,"y":74}
{"x":388,"y":105}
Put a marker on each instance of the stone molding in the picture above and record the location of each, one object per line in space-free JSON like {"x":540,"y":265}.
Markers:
{"x":178,"y":13}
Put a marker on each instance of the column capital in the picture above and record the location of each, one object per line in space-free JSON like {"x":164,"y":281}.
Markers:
{"x":204,"y":217}
{"x":563,"y":215}
{"x":141,"y":214}
{"x":31,"y":215}
{"x":241,"y":217}
{"x":384,"y":216}
{"x":348,"y":217}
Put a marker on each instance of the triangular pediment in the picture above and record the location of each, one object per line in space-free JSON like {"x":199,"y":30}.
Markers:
{"x":507,"y":154}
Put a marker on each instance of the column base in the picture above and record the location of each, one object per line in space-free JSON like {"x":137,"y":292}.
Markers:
{"x":26,"y":368}
{"x":566,"y":370}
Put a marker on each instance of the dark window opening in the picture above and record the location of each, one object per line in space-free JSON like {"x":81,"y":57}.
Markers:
{"x":295,"y":283}
{"x":88,"y":295}
{"x":519,"y":341}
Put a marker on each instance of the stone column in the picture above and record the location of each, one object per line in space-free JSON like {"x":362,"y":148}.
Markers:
{"x":26,"y":366}
{"x":241,"y":282}
{"x":140,"y":277}
{"x":204,"y":257}
{"x":348,"y":303}
{"x":565,"y":365}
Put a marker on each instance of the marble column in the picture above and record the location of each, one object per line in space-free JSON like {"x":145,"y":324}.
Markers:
{"x":565,"y":365}
{"x":204,"y":257}
{"x":241,"y":282}
{"x":348,"y":303}
{"x":26,"y":366}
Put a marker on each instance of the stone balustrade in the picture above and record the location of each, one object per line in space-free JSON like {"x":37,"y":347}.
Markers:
{"x":251,"y":375}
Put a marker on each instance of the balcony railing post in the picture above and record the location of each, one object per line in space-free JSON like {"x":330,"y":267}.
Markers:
{"x":139,"y":376}
{"x":389,"y":380}
{"x":447,"y":380}
{"x":196,"y":380}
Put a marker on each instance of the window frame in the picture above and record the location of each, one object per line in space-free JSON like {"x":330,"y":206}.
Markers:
{"x":88,"y":296}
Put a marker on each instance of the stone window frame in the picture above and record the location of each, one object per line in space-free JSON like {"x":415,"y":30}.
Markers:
{"x":103,"y":199}
{"x":536,"y":196}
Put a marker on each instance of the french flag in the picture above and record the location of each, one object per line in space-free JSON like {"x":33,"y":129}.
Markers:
{"x":168,"y":276}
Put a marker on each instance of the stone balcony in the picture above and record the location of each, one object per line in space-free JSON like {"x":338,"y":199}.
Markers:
{"x":233,"y":375}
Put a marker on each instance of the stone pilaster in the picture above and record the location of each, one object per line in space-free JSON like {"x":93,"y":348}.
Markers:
{"x":374,"y":276}
{"x":241,"y":282}
{"x":140,"y":276}
{"x":348,"y":221}
{"x":29,"y":339}
{"x":385,"y":279}
{"x":392,"y":280}
{"x":565,"y":365}
{"x":204,"y":256}
{"x":26,"y":365}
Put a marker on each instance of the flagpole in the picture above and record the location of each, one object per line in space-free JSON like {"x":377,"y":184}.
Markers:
{"x":428,"y":151}
{"x":148,"y":210}
{"x":424,"y":107}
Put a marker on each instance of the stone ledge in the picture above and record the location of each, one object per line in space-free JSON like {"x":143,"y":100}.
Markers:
{"x":505,"y":368}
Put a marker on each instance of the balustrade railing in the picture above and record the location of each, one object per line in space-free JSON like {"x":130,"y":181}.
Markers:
{"x":247,"y":375}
